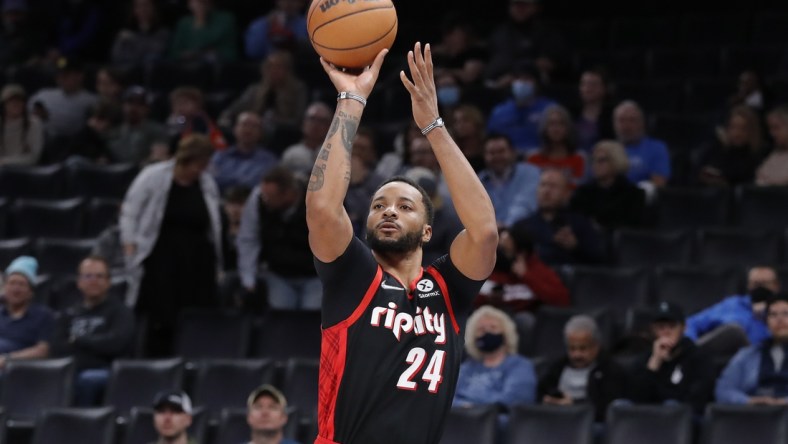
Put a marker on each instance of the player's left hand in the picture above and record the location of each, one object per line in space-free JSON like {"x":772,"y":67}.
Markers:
{"x":423,"y":96}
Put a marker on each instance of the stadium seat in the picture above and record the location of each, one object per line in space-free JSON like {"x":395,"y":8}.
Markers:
{"x":646,"y":248}
{"x":233,"y":427}
{"x":681,"y":130}
{"x":668,"y":63}
{"x":236,"y":76}
{"x":708,"y":95}
{"x":614,"y":288}
{"x":32,"y":182}
{"x":736,"y":424}
{"x":762,"y":208}
{"x":762,"y":59}
{"x":228,"y":382}
{"x":75,"y":426}
{"x":29,"y":386}
{"x":134,"y":383}
{"x":622,"y":64}
{"x":101,"y":214}
{"x":584,"y":34}
{"x":471,"y":425}
{"x":205,"y":334}
{"x":643,"y":33}
{"x":649,"y":424}
{"x":93,"y":180}
{"x":140,"y":430}
{"x":61,"y":256}
{"x":48,"y":218}
{"x":714,"y":30}
{"x":300,"y":385}
{"x":695,"y":288}
{"x":658,"y":96}
{"x":678,"y":208}
{"x":10,"y":249}
{"x":547,"y":424}
{"x":738,"y":247}
{"x":301,"y":327}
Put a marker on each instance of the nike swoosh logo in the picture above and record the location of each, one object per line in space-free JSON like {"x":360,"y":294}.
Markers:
{"x":385,"y":286}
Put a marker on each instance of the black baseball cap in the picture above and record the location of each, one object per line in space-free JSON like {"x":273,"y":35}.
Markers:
{"x":175,"y":399}
{"x":668,"y":311}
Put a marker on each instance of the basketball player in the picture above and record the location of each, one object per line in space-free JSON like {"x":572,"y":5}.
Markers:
{"x":392,"y":345}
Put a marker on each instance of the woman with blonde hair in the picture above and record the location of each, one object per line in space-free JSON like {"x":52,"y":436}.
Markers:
{"x":609,"y":198}
{"x":170,"y":227}
{"x":494,"y":374}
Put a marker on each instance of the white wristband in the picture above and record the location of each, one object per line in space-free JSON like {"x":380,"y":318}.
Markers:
{"x":435,"y":123}
{"x":350,"y":95}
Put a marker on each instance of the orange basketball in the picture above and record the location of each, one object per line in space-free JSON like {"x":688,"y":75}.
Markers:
{"x":350,"y":33}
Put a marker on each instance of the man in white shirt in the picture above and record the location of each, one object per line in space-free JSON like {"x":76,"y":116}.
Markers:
{"x":64,"y":109}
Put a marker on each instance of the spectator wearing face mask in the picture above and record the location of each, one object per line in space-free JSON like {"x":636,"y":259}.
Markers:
{"x":519,"y":116}
{"x":494,"y":374}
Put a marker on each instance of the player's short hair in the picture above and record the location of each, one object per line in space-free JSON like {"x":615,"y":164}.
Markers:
{"x":425,"y":198}
{"x":510,"y":336}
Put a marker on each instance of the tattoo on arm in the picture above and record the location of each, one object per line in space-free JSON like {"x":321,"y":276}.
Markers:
{"x":318,"y":177}
{"x":334,"y":126}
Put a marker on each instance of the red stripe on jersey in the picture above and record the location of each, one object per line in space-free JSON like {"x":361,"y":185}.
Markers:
{"x":442,"y":284}
{"x":333,"y":353}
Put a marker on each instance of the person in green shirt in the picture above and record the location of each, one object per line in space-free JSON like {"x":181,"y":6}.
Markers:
{"x":206,"y":35}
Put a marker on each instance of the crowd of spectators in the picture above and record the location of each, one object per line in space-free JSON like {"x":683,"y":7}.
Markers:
{"x":223,"y":113}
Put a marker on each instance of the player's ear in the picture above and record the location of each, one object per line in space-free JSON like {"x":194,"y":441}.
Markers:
{"x":426,"y":233}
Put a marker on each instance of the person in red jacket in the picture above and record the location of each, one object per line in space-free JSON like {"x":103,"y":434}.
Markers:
{"x":521,"y":282}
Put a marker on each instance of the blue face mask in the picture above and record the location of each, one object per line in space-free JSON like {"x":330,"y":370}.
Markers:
{"x":522,"y":89}
{"x":489,"y":342}
{"x":448,"y":95}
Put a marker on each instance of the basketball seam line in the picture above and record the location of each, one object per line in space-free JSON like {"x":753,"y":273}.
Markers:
{"x":347,"y":15}
{"x":362,"y":46}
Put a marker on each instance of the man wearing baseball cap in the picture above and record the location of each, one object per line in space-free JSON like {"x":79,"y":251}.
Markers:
{"x":675,"y":370}
{"x":25,"y":327}
{"x":172,"y":417}
{"x":267,"y":416}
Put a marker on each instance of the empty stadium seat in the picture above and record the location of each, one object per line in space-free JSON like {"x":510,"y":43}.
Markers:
{"x":762,"y":208}
{"x":300,"y":385}
{"x":736,"y":424}
{"x":29,"y":386}
{"x":547,"y":424}
{"x":10,"y":249}
{"x":708,"y":95}
{"x":61,"y":256}
{"x":680,"y":130}
{"x":75,"y":426}
{"x":738,"y":247}
{"x":649,"y":424}
{"x":301,"y":327}
{"x":669,"y":63}
{"x":48,"y":218}
{"x":614,"y":288}
{"x":227,"y":382}
{"x":470,"y":425}
{"x":623,"y":64}
{"x":93,"y":180}
{"x":32,"y":182}
{"x":713,"y":30}
{"x":678,"y":208}
{"x":658,"y":96}
{"x":134,"y":383}
{"x":203,"y":333}
{"x":101,"y":214}
{"x":646,"y":248}
{"x":643,"y":33}
{"x":693,"y":287}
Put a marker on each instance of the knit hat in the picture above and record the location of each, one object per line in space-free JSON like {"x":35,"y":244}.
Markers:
{"x":27,"y":266}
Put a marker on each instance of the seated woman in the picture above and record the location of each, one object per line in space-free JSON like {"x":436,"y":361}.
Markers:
{"x":494,"y":374}
{"x":774,"y":170}
{"x":609,"y":198}
{"x":22,"y":133}
{"x":734,"y":155}
{"x":558,"y":144}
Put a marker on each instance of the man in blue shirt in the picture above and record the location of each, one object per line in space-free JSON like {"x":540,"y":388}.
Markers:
{"x":510,"y":184}
{"x":519,"y":116}
{"x":649,"y":160}
{"x":267,"y":416}
{"x":25,"y":328}
{"x":245,"y":163}
{"x":712,"y":327}
{"x":283,"y":28}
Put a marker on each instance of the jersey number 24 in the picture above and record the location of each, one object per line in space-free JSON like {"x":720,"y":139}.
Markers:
{"x":432,"y":374}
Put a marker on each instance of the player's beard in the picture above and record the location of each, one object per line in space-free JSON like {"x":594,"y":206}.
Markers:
{"x":405,"y":244}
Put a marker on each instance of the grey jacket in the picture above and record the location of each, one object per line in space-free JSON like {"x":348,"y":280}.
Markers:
{"x":143,"y":210}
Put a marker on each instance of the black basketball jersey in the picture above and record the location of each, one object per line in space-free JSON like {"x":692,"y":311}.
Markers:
{"x":390,"y":352}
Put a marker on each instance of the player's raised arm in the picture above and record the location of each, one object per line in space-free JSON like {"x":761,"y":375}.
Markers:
{"x":473,"y":251}
{"x":330,"y":230}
